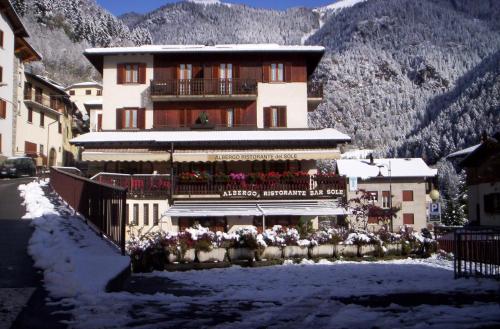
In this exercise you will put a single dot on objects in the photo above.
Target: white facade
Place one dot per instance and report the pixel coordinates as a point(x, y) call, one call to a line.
point(7, 60)
point(87, 97)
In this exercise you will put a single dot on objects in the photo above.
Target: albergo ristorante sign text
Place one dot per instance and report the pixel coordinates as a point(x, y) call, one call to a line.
point(281, 193)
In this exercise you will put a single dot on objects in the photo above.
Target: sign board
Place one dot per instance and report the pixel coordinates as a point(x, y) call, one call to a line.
point(435, 211)
point(281, 193)
point(353, 184)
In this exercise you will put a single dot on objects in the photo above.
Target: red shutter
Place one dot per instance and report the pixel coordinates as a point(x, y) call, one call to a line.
point(0, 143)
point(282, 116)
point(265, 72)
point(3, 109)
point(119, 119)
point(99, 122)
point(141, 118)
point(142, 73)
point(1, 39)
point(408, 219)
point(30, 148)
point(288, 72)
point(408, 195)
point(120, 74)
point(223, 117)
point(267, 117)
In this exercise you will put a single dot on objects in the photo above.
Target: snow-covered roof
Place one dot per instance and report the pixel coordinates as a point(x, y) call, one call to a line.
point(47, 81)
point(93, 102)
point(356, 154)
point(265, 47)
point(85, 84)
point(463, 152)
point(414, 167)
point(327, 134)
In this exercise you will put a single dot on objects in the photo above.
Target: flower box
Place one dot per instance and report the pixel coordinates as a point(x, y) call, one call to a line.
point(236, 254)
point(324, 250)
point(347, 250)
point(367, 250)
point(189, 256)
point(393, 249)
point(295, 252)
point(271, 252)
point(172, 258)
point(214, 255)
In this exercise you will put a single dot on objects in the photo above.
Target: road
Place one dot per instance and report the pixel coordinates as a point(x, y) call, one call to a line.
point(22, 296)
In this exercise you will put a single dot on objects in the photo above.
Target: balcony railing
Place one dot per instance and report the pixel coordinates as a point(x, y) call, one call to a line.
point(52, 103)
point(204, 87)
point(315, 89)
point(260, 186)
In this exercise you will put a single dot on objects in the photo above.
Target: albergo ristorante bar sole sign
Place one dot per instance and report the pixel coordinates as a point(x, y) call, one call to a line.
point(281, 193)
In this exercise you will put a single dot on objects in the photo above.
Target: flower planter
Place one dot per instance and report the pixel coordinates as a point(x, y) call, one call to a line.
point(236, 254)
point(214, 255)
point(189, 256)
point(295, 252)
point(325, 250)
point(271, 252)
point(367, 250)
point(347, 250)
point(393, 249)
point(172, 257)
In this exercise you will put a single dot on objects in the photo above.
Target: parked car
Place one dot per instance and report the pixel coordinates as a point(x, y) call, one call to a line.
point(17, 167)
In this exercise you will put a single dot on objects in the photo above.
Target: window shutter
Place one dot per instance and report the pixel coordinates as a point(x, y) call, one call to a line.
point(119, 119)
point(288, 72)
point(267, 117)
point(141, 118)
point(265, 72)
point(120, 74)
point(408, 219)
point(142, 73)
point(99, 122)
point(282, 116)
point(0, 143)
point(223, 117)
point(3, 109)
point(408, 195)
point(1, 38)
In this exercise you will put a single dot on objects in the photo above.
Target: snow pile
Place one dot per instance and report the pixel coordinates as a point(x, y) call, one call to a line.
point(74, 259)
point(339, 5)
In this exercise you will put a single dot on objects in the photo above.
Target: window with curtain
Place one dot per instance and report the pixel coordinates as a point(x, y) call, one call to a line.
point(277, 73)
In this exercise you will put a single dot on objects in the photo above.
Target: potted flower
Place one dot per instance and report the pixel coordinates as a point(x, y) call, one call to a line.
point(391, 241)
point(187, 253)
point(273, 177)
point(295, 247)
point(245, 245)
point(170, 245)
point(323, 243)
point(271, 243)
point(221, 178)
point(205, 245)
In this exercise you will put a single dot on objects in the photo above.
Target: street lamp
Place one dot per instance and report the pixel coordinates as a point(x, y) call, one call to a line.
point(390, 187)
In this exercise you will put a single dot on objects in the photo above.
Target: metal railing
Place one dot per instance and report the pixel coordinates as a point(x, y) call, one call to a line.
point(204, 87)
point(477, 252)
point(102, 205)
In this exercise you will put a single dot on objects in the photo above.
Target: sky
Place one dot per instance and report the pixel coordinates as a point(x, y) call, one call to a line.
point(119, 7)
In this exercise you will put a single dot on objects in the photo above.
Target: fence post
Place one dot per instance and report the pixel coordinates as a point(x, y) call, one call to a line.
point(123, 197)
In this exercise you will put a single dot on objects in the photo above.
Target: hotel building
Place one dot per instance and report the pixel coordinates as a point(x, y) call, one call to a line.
point(213, 134)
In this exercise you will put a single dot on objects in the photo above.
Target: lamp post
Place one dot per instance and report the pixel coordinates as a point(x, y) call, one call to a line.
point(390, 187)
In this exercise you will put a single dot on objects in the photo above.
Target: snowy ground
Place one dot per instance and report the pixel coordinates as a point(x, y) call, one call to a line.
point(404, 293)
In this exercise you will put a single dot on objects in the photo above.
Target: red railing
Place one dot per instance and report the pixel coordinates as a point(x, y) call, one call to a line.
point(102, 205)
point(138, 186)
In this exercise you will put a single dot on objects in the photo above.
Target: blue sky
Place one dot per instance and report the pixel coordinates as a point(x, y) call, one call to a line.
point(118, 7)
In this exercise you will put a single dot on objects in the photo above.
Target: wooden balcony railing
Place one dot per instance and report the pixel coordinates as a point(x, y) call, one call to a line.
point(159, 186)
point(53, 103)
point(315, 89)
point(204, 87)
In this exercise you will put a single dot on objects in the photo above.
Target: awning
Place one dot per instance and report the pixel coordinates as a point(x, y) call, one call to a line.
point(125, 155)
point(260, 208)
point(256, 155)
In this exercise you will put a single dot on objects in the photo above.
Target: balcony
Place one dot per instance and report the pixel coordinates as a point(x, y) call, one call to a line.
point(204, 89)
point(44, 102)
point(287, 185)
point(314, 94)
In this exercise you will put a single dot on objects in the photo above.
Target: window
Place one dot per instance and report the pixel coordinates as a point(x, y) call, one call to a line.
point(42, 119)
point(29, 148)
point(127, 214)
point(88, 92)
point(185, 76)
point(131, 73)
point(59, 127)
point(225, 76)
point(72, 93)
point(3, 109)
point(1, 74)
point(385, 199)
point(130, 119)
point(372, 220)
point(408, 219)
point(275, 117)
point(99, 92)
point(146, 214)
point(28, 90)
point(230, 118)
point(277, 74)
point(492, 203)
point(373, 196)
point(41, 149)
point(408, 195)
point(135, 215)
point(1, 38)
point(155, 214)
point(30, 115)
point(0, 143)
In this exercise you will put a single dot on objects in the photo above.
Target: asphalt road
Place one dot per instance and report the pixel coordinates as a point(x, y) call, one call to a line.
point(22, 296)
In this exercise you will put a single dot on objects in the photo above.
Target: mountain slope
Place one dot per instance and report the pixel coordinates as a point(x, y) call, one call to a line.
point(387, 59)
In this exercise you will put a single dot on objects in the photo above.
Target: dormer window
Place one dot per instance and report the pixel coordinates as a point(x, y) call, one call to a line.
point(277, 73)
